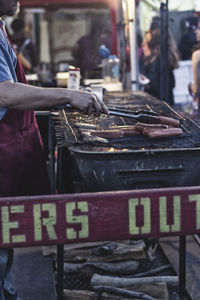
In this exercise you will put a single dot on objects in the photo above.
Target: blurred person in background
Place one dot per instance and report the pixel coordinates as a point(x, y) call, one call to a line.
point(155, 24)
point(25, 48)
point(194, 88)
point(86, 50)
point(188, 39)
point(150, 63)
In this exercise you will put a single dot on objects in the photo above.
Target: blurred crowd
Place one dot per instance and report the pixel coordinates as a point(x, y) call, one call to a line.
point(149, 61)
point(87, 58)
point(187, 49)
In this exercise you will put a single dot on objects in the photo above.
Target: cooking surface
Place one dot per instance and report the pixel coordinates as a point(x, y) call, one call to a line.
point(139, 162)
point(73, 128)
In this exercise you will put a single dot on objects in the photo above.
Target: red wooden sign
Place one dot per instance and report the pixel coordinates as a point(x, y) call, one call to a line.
point(44, 220)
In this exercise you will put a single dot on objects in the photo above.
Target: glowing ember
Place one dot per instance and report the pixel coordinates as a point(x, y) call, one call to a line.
point(115, 150)
point(111, 149)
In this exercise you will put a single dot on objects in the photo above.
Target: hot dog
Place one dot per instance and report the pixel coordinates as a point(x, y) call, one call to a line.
point(141, 126)
point(108, 134)
point(169, 121)
point(130, 131)
point(162, 133)
point(127, 129)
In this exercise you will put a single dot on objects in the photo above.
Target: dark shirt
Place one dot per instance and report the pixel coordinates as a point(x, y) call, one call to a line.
point(87, 55)
point(186, 45)
point(152, 72)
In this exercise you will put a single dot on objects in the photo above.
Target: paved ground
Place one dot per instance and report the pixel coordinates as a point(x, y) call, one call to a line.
point(33, 275)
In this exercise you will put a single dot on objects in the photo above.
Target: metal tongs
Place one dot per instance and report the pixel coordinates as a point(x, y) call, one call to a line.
point(145, 116)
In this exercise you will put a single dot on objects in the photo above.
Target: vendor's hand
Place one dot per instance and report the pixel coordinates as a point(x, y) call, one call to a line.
point(88, 103)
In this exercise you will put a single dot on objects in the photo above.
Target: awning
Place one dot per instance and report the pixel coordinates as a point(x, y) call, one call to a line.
point(41, 3)
point(111, 3)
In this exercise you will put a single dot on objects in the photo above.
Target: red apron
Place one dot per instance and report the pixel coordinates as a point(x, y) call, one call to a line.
point(22, 162)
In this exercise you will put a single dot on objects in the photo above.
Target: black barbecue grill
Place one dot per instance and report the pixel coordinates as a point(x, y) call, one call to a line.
point(134, 162)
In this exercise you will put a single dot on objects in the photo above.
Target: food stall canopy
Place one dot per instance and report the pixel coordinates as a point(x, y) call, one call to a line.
point(110, 3)
point(33, 3)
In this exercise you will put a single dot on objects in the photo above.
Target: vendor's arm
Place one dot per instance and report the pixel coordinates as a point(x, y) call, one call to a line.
point(24, 97)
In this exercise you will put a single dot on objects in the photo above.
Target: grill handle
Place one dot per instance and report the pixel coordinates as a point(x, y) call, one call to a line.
point(168, 170)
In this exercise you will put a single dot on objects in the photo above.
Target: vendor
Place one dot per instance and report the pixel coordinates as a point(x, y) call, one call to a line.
point(22, 165)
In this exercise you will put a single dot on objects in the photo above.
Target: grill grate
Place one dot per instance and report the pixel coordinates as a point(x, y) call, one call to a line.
point(73, 128)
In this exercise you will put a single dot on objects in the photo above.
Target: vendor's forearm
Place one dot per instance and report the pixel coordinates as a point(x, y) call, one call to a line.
point(21, 96)
point(25, 97)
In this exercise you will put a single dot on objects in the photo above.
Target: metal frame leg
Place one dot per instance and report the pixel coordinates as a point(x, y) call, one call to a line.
point(60, 248)
point(182, 266)
point(52, 155)
point(60, 273)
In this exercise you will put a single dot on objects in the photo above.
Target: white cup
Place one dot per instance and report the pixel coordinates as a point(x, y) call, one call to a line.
point(98, 91)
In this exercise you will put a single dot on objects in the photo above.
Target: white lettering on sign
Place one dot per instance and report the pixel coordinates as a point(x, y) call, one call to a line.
point(7, 225)
point(196, 198)
point(176, 226)
point(133, 228)
point(71, 233)
point(48, 222)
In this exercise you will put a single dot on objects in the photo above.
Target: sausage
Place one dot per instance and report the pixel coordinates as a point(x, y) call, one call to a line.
point(169, 121)
point(108, 134)
point(162, 133)
point(141, 126)
point(130, 131)
point(127, 129)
